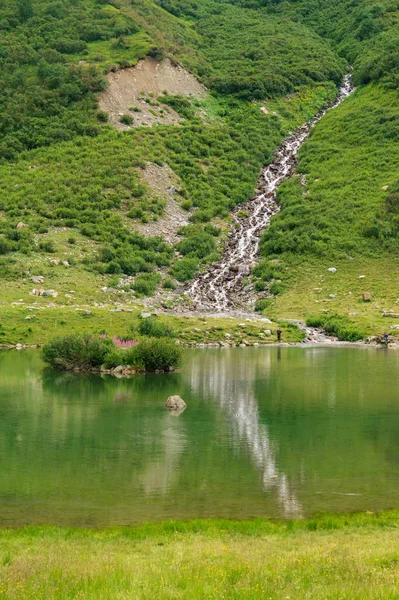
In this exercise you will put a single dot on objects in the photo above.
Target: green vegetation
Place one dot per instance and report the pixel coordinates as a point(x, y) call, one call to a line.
point(76, 351)
point(336, 325)
point(87, 352)
point(63, 167)
point(340, 211)
point(153, 327)
point(335, 556)
point(46, 98)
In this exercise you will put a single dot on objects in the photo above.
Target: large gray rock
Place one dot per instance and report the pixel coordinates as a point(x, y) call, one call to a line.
point(175, 403)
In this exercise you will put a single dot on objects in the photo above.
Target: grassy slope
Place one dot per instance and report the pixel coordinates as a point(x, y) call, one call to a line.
point(83, 183)
point(350, 164)
point(351, 558)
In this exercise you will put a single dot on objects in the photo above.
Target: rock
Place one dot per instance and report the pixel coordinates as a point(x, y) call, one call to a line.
point(244, 270)
point(175, 403)
point(22, 225)
point(29, 317)
point(54, 261)
point(361, 276)
point(331, 296)
point(242, 345)
point(65, 263)
point(18, 346)
point(332, 270)
point(227, 335)
point(118, 369)
point(242, 325)
point(384, 187)
point(267, 332)
point(391, 315)
point(37, 278)
point(146, 315)
point(367, 297)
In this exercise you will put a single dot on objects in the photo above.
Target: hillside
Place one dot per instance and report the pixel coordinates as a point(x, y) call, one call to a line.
point(76, 147)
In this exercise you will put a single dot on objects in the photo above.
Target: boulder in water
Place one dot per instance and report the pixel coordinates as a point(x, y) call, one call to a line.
point(175, 403)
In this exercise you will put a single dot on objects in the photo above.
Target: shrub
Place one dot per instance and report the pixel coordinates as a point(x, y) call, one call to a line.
point(81, 351)
point(153, 328)
point(185, 269)
point(146, 284)
point(262, 304)
point(126, 119)
point(154, 354)
point(102, 116)
point(168, 284)
point(47, 246)
point(337, 325)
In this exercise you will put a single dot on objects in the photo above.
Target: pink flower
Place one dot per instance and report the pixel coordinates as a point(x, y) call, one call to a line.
point(124, 343)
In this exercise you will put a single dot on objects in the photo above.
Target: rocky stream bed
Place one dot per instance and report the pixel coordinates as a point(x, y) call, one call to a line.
point(222, 287)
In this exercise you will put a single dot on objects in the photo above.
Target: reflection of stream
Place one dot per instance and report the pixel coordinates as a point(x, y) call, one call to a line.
point(234, 390)
point(159, 476)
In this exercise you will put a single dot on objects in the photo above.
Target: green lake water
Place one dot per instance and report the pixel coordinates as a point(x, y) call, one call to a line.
point(273, 432)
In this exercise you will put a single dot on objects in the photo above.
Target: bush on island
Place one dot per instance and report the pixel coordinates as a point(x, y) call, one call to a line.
point(76, 351)
point(87, 352)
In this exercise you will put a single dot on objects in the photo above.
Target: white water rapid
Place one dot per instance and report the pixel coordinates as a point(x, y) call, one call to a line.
point(221, 287)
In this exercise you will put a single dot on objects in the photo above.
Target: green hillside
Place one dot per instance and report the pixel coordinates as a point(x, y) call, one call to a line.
point(72, 185)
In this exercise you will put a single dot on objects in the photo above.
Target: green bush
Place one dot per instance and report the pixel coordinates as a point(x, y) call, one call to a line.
point(76, 351)
point(337, 325)
point(102, 116)
point(146, 284)
point(262, 304)
point(185, 269)
point(126, 119)
point(154, 354)
point(151, 327)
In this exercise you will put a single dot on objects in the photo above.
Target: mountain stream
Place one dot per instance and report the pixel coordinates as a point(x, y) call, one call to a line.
point(221, 288)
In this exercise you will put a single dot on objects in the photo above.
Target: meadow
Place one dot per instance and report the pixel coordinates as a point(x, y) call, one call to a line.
point(350, 557)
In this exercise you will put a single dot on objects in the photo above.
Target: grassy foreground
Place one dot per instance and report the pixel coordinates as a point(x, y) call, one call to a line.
point(350, 557)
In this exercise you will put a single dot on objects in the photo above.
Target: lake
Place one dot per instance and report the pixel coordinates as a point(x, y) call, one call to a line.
point(270, 432)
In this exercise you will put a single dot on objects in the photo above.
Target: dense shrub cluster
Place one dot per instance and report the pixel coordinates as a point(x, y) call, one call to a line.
point(365, 32)
point(45, 99)
point(86, 352)
point(76, 351)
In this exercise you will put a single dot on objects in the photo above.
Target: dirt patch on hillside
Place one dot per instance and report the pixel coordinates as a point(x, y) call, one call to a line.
point(130, 88)
point(164, 183)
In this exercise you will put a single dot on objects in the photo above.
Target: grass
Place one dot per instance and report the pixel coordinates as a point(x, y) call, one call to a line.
point(106, 53)
point(334, 214)
point(50, 322)
point(346, 557)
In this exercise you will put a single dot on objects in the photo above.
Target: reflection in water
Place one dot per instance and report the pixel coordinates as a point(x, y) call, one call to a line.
point(267, 432)
point(160, 475)
point(234, 390)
